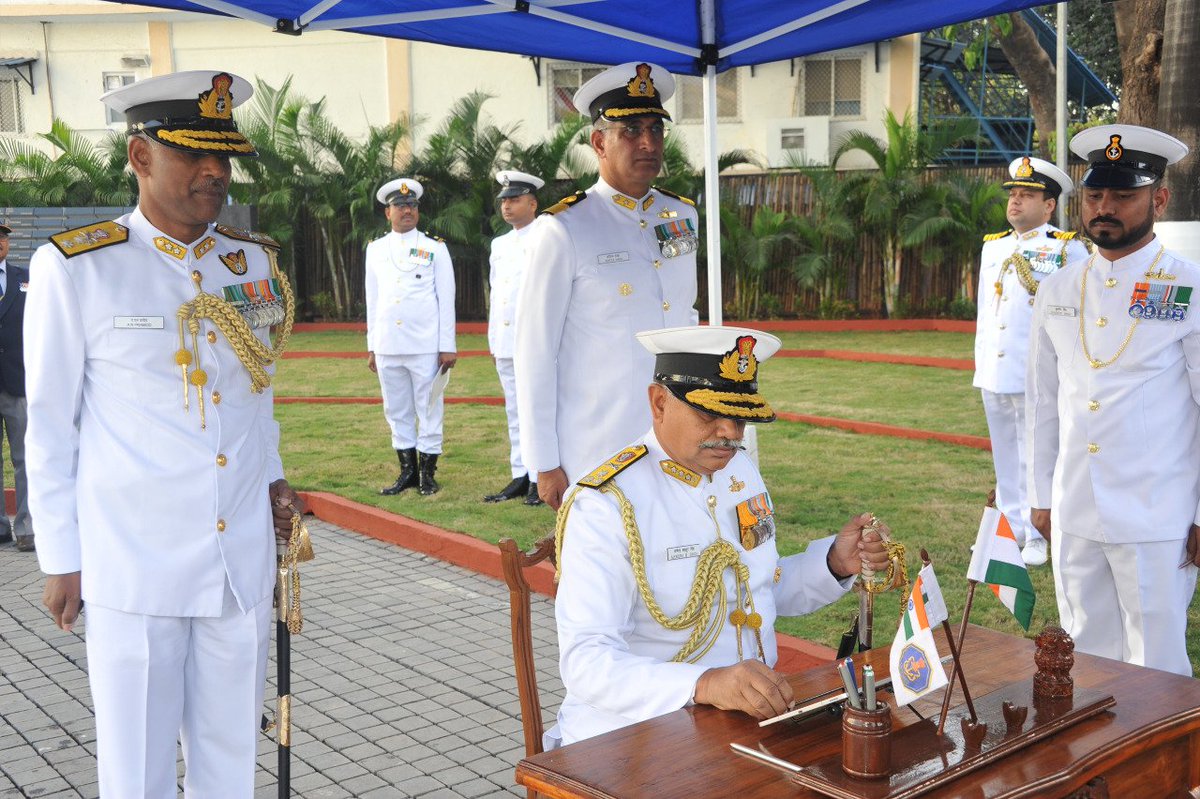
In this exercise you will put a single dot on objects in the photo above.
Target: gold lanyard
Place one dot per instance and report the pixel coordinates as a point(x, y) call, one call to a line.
point(1098, 364)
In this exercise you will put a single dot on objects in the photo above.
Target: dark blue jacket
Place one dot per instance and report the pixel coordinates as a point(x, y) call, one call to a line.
point(12, 318)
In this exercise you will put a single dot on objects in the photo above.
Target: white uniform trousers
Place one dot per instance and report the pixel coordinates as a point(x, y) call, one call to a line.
point(406, 381)
point(1125, 601)
point(1006, 428)
point(157, 680)
point(508, 382)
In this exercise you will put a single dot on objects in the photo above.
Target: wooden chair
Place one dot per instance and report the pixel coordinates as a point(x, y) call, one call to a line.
point(514, 563)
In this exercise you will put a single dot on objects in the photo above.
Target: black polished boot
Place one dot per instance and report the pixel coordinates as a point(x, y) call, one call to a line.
point(531, 497)
point(408, 473)
point(426, 466)
point(517, 488)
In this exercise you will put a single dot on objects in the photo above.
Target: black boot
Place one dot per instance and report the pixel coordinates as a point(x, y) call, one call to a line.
point(531, 497)
point(517, 488)
point(408, 473)
point(426, 466)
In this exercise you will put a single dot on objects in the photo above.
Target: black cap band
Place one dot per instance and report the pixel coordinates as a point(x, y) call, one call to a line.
point(173, 113)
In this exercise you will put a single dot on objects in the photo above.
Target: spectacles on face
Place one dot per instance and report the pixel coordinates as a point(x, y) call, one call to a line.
point(400, 206)
point(657, 130)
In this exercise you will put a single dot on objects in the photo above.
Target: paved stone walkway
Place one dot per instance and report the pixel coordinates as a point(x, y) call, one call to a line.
point(402, 681)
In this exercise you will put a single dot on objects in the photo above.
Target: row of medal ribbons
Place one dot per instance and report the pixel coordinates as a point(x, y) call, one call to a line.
point(260, 302)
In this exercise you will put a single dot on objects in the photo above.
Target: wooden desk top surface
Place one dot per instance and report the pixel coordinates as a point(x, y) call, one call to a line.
point(686, 753)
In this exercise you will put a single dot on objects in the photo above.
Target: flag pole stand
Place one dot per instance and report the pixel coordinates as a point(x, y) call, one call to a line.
point(954, 650)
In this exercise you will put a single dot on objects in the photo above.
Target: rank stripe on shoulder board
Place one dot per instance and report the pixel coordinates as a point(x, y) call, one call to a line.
point(89, 238)
point(566, 202)
point(679, 197)
point(248, 235)
point(996, 236)
point(613, 466)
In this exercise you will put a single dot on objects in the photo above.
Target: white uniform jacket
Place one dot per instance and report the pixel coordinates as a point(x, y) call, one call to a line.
point(1113, 450)
point(125, 485)
point(614, 657)
point(507, 262)
point(597, 273)
point(410, 295)
point(1006, 307)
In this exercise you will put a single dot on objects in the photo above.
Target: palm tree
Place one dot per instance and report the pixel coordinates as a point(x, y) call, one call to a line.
point(79, 173)
point(824, 233)
point(884, 198)
point(752, 251)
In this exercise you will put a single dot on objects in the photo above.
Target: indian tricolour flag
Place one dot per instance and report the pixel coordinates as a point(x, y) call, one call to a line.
point(915, 666)
point(997, 562)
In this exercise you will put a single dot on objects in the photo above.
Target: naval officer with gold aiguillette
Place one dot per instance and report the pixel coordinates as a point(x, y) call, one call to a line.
point(153, 454)
point(1113, 412)
point(603, 265)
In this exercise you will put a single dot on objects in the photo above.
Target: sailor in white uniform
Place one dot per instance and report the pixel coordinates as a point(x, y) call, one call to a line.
point(410, 333)
point(681, 518)
point(153, 457)
point(518, 206)
point(1112, 408)
point(603, 265)
point(1012, 265)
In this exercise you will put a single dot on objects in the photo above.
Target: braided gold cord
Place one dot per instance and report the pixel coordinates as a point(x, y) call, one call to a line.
point(291, 562)
point(1096, 362)
point(1024, 271)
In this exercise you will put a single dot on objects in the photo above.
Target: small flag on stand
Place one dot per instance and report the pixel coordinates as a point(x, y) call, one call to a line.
point(915, 665)
point(997, 561)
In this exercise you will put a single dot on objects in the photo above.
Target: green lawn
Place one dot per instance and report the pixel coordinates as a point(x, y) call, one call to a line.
point(929, 493)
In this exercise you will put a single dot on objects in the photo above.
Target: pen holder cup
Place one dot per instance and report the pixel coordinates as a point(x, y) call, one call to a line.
point(867, 741)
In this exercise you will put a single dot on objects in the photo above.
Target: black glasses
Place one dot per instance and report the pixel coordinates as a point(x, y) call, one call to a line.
point(657, 130)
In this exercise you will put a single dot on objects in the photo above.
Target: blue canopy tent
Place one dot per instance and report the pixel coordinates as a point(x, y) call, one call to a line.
point(697, 37)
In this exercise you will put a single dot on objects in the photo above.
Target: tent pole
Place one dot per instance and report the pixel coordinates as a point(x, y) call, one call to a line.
point(1062, 67)
point(712, 195)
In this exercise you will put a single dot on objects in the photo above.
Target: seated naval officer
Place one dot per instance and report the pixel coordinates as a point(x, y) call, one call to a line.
point(670, 578)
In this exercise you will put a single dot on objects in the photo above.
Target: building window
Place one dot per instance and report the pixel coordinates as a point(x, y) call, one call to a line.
point(565, 80)
point(690, 107)
point(11, 118)
point(115, 80)
point(832, 87)
point(791, 139)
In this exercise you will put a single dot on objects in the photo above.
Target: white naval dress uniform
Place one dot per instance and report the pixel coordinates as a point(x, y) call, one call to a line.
point(410, 319)
point(613, 656)
point(1114, 455)
point(169, 523)
point(596, 275)
point(507, 266)
point(1001, 353)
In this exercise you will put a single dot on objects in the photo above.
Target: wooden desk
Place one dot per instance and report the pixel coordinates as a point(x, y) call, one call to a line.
point(1146, 747)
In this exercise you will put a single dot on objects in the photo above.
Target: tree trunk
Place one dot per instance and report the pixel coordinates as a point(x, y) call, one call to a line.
point(891, 277)
point(1140, 36)
point(339, 302)
point(1178, 109)
point(1035, 70)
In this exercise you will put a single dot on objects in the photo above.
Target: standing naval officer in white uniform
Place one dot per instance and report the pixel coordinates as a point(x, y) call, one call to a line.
point(153, 457)
point(682, 516)
point(410, 332)
point(518, 206)
point(603, 265)
point(1012, 265)
point(1112, 406)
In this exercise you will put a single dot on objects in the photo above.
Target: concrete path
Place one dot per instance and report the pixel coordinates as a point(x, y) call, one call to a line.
point(402, 681)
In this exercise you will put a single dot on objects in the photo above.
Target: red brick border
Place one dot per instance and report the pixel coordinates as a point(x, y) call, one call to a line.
point(795, 654)
point(787, 325)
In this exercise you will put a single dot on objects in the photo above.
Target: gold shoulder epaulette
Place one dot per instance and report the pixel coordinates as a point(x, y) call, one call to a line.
point(566, 202)
point(248, 235)
point(995, 236)
point(431, 236)
point(613, 466)
point(89, 237)
point(679, 197)
point(1064, 235)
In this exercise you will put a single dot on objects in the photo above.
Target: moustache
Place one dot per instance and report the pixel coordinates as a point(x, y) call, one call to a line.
point(209, 186)
point(723, 443)
point(1104, 220)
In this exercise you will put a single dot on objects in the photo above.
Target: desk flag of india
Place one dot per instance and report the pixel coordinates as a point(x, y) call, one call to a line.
point(996, 561)
point(916, 667)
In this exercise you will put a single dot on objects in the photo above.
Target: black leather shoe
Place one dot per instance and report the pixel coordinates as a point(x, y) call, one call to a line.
point(531, 497)
point(426, 466)
point(408, 473)
point(25, 543)
point(6, 537)
point(517, 488)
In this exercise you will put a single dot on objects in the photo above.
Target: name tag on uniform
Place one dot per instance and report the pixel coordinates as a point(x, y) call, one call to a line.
point(684, 552)
point(1062, 310)
point(138, 322)
point(612, 258)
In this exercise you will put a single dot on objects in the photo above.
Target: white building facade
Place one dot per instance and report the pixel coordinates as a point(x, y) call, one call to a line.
point(56, 58)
